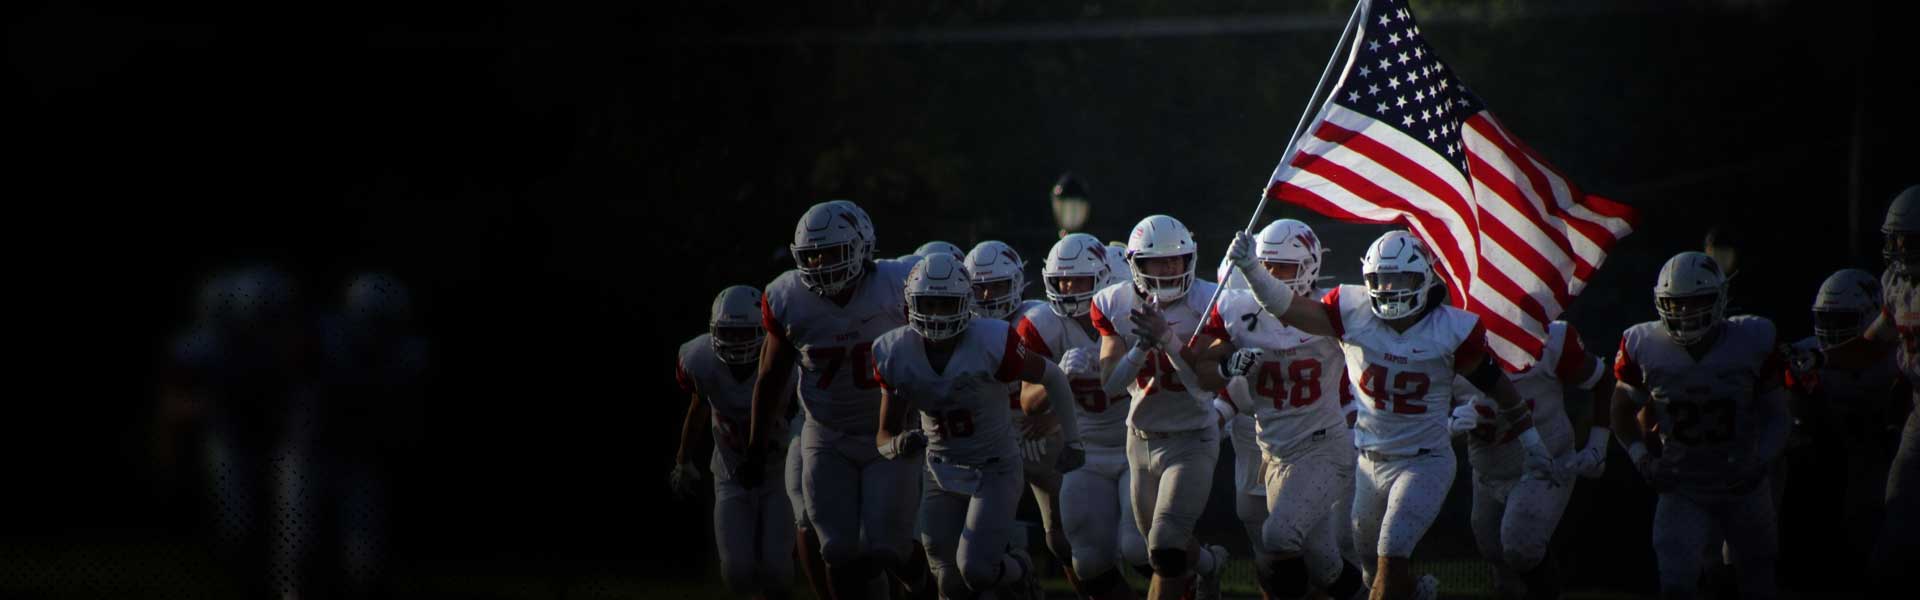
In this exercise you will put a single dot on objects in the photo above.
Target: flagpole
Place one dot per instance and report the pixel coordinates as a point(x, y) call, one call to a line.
point(1293, 141)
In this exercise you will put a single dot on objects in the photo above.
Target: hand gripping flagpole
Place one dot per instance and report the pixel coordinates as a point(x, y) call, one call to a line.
point(1293, 143)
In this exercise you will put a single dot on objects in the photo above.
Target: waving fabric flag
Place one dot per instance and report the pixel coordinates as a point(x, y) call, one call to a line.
point(1402, 140)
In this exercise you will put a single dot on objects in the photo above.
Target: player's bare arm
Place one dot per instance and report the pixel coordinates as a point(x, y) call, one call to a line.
point(1057, 401)
point(769, 400)
point(691, 432)
point(1207, 359)
point(1473, 362)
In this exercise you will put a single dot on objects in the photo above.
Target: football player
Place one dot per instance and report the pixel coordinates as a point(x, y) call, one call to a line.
point(1849, 410)
point(824, 315)
point(952, 368)
point(375, 371)
point(1098, 513)
point(750, 525)
point(1715, 386)
point(1514, 516)
point(1289, 382)
point(1173, 426)
point(1406, 345)
point(1897, 326)
point(999, 278)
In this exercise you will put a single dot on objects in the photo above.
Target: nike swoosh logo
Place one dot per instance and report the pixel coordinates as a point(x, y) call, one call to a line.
point(1418, 351)
point(865, 320)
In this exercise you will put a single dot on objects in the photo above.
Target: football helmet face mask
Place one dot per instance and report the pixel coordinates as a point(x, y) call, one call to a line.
point(939, 297)
point(1075, 269)
point(1902, 230)
point(735, 325)
point(1847, 302)
point(1161, 254)
point(828, 248)
point(999, 277)
point(1399, 273)
point(1690, 296)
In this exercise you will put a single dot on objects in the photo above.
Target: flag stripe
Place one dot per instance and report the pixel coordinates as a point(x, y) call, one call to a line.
point(1528, 206)
point(1364, 189)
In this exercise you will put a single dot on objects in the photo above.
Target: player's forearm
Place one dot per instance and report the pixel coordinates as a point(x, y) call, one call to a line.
point(1622, 411)
point(1857, 353)
point(1774, 425)
point(1059, 399)
point(689, 430)
point(1124, 370)
point(769, 397)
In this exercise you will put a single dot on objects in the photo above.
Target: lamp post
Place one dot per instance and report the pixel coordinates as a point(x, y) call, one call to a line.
point(1070, 207)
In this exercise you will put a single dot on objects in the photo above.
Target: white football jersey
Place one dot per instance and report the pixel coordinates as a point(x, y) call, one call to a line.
point(1160, 401)
point(834, 342)
point(1900, 301)
point(963, 405)
point(1543, 387)
point(1404, 380)
point(1297, 385)
point(729, 399)
point(1699, 404)
point(1102, 419)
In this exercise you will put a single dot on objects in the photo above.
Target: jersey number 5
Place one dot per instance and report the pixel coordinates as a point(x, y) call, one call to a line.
point(953, 423)
point(1410, 386)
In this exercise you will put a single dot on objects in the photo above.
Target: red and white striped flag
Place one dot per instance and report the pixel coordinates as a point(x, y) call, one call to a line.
point(1402, 140)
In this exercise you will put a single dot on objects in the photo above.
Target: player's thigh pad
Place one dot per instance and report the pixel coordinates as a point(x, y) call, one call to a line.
point(1414, 499)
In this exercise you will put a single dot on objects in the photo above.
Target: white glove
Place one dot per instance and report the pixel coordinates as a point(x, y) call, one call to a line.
point(1241, 362)
point(905, 443)
point(1589, 462)
point(1241, 251)
point(1464, 419)
point(684, 481)
point(1539, 462)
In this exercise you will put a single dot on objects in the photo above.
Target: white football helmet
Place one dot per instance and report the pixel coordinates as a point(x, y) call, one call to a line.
point(1117, 264)
point(1078, 260)
point(1691, 296)
point(1160, 238)
point(939, 297)
point(1847, 302)
point(1902, 248)
point(735, 325)
point(929, 248)
point(828, 248)
point(999, 276)
point(1288, 241)
point(866, 223)
point(1399, 274)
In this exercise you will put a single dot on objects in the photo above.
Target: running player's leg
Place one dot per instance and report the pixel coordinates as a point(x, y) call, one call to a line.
point(986, 560)
point(1093, 507)
point(1526, 531)
point(1186, 481)
point(1489, 510)
point(1752, 542)
point(1681, 528)
point(1413, 502)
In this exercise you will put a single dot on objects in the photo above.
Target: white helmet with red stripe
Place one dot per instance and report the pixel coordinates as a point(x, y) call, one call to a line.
point(1162, 254)
point(1075, 269)
point(999, 276)
point(939, 297)
point(735, 325)
point(929, 248)
point(1690, 296)
point(1848, 300)
point(865, 223)
point(829, 247)
point(1398, 272)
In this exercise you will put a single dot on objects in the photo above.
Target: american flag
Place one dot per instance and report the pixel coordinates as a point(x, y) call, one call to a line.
point(1402, 140)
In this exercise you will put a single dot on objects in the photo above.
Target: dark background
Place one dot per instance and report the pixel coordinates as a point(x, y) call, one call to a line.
point(567, 188)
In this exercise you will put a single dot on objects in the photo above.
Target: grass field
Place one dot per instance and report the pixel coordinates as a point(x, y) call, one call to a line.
point(177, 570)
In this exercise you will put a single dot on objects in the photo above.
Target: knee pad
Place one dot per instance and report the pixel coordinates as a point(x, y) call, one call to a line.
point(1170, 563)
point(1285, 578)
